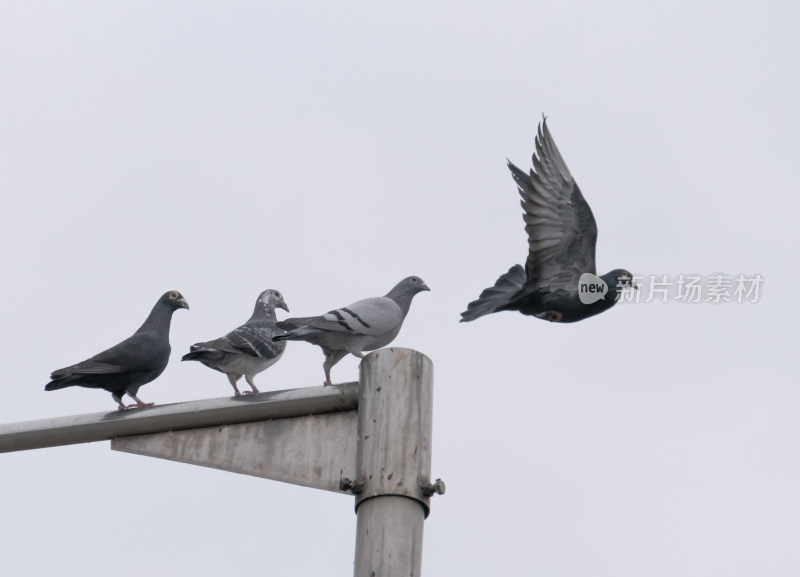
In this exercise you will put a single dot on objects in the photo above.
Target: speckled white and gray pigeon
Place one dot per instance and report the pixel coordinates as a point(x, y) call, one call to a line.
point(132, 363)
point(562, 234)
point(248, 349)
point(365, 325)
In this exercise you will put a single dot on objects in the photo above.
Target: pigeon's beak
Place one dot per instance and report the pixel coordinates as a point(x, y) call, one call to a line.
point(284, 306)
point(425, 287)
point(184, 303)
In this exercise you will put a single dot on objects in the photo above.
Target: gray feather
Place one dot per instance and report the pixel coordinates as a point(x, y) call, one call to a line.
point(562, 235)
point(248, 349)
point(134, 362)
point(365, 325)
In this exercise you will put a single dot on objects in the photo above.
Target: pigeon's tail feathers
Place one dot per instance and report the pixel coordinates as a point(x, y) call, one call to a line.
point(59, 383)
point(295, 332)
point(494, 298)
point(203, 353)
point(193, 355)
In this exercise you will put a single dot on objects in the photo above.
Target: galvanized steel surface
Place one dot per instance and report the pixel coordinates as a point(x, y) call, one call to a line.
point(389, 535)
point(247, 408)
point(395, 421)
point(393, 462)
point(313, 451)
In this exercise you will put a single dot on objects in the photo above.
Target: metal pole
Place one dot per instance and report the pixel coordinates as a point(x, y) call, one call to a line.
point(393, 462)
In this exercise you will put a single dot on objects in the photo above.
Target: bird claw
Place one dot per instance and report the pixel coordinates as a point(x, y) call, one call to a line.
point(248, 392)
point(138, 406)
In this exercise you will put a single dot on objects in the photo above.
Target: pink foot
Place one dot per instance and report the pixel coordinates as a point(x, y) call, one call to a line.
point(140, 405)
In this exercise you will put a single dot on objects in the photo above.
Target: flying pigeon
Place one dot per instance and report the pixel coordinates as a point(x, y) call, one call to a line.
point(365, 325)
point(246, 350)
point(132, 363)
point(558, 283)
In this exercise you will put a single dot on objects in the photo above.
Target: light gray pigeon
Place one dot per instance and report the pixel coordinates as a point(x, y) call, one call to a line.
point(365, 325)
point(246, 350)
point(132, 363)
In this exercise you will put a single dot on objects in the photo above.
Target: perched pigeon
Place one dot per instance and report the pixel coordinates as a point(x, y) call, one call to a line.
point(247, 350)
point(132, 363)
point(554, 285)
point(365, 325)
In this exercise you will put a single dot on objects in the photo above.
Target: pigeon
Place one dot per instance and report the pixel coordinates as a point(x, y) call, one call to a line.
point(246, 350)
point(134, 362)
point(558, 283)
point(365, 325)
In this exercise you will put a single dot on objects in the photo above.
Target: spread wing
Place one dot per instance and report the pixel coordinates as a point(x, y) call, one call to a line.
point(562, 232)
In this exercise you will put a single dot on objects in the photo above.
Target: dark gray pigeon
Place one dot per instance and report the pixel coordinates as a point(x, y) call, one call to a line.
point(558, 282)
point(365, 325)
point(246, 350)
point(132, 363)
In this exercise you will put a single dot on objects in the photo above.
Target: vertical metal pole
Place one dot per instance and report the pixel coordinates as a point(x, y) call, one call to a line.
point(393, 462)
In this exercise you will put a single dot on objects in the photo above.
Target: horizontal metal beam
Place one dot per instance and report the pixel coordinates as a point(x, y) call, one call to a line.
point(174, 417)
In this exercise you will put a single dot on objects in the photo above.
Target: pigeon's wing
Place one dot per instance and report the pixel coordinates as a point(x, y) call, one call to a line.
point(255, 341)
point(562, 232)
point(136, 353)
point(373, 316)
point(88, 367)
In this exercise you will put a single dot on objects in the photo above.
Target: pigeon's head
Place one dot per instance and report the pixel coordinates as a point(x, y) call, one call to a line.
point(271, 299)
point(175, 300)
point(409, 286)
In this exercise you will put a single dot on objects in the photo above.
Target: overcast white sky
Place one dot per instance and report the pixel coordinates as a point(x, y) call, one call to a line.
point(329, 149)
